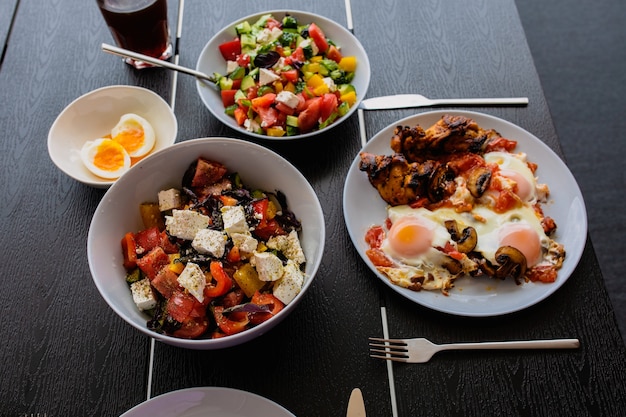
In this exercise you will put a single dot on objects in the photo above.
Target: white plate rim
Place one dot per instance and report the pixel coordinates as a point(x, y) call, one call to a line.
point(175, 402)
point(206, 59)
point(565, 205)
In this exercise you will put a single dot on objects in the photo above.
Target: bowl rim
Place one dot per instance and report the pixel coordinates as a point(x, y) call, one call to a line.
point(52, 137)
point(311, 17)
point(231, 340)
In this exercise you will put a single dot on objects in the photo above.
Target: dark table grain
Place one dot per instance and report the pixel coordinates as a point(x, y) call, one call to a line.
point(65, 351)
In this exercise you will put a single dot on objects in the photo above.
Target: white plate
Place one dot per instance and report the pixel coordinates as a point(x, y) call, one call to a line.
point(208, 401)
point(211, 60)
point(477, 296)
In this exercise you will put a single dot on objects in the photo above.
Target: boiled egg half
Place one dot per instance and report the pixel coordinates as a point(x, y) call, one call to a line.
point(105, 158)
point(135, 134)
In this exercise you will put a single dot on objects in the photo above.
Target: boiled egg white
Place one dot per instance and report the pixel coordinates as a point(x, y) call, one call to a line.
point(135, 134)
point(514, 168)
point(105, 158)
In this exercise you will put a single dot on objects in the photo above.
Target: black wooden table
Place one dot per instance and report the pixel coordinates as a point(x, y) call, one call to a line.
point(66, 353)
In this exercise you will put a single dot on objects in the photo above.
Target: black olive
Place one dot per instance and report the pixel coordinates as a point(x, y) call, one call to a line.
point(266, 59)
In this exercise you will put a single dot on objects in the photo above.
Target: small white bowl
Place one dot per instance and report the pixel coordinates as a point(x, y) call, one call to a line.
point(94, 114)
point(118, 213)
point(211, 61)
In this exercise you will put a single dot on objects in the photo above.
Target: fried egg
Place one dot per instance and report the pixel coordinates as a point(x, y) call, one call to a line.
point(514, 168)
point(135, 134)
point(105, 158)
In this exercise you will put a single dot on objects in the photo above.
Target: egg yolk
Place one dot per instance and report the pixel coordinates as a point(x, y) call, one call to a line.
point(524, 188)
point(109, 156)
point(131, 136)
point(523, 238)
point(410, 236)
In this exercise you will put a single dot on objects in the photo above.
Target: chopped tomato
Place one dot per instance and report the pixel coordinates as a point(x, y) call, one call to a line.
point(266, 227)
point(153, 262)
point(228, 97)
point(290, 75)
point(265, 100)
point(166, 282)
point(265, 299)
point(233, 255)
point(318, 37)
point(375, 236)
point(129, 250)
point(283, 108)
point(328, 105)
point(378, 257)
point(192, 328)
point(223, 283)
point(546, 273)
point(182, 306)
point(167, 245)
point(500, 144)
point(334, 53)
point(272, 23)
point(147, 239)
point(240, 115)
point(268, 115)
point(233, 298)
point(230, 50)
point(298, 55)
point(506, 201)
point(309, 117)
point(227, 325)
point(243, 60)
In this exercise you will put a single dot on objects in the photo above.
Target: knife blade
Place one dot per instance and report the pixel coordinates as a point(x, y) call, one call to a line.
point(356, 406)
point(402, 101)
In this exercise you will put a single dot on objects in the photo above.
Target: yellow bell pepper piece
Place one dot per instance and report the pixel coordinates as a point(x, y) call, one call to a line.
point(275, 131)
point(349, 98)
point(174, 266)
point(348, 63)
point(315, 81)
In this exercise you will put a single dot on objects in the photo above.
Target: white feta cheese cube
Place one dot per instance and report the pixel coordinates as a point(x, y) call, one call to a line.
point(289, 245)
point(143, 295)
point(308, 42)
point(234, 218)
point(251, 125)
point(268, 266)
point(330, 83)
point(245, 243)
point(267, 76)
point(288, 98)
point(231, 66)
point(193, 280)
point(169, 199)
point(210, 242)
point(289, 284)
point(184, 224)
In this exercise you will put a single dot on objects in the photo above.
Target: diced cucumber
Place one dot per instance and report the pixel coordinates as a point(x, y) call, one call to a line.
point(343, 109)
point(292, 121)
point(240, 95)
point(230, 110)
point(248, 41)
point(345, 88)
point(291, 131)
point(262, 21)
point(238, 73)
point(247, 82)
point(226, 83)
point(243, 27)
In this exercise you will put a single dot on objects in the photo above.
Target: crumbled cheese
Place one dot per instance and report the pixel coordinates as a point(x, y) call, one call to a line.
point(231, 66)
point(267, 76)
point(308, 42)
point(268, 266)
point(251, 125)
point(143, 295)
point(184, 224)
point(169, 199)
point(330, 83)
point(193, 280)
point(288, 98)
point(209, 241)
point(245, 242)
point(234, 218)
point(268, 35)
point(289, 284)
point(289, 245)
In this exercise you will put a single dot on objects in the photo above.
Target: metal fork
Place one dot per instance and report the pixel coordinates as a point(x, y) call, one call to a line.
point(420, 350)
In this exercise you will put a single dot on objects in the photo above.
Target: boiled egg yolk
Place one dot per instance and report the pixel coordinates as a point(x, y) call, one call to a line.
point(524, 188)
point(410, 236)
point(523, 238)
point(135, 134)
point(105, 158)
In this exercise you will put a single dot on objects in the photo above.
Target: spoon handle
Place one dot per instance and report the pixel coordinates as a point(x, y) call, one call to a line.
point(154, 61)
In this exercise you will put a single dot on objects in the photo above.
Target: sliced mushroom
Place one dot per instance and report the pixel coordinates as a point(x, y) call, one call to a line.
point(439, 182)
point(478, 180)
point(466, 240)
point(453, 266)
point(512, 263)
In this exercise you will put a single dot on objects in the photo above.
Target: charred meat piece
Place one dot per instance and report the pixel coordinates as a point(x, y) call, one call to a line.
point(397, 181)
point(451, 134)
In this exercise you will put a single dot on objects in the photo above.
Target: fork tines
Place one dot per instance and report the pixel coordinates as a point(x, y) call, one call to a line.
point(389, 349)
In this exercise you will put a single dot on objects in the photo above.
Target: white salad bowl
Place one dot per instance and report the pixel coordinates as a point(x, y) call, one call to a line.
point(94, 114)
point(118, 213)
point(211, 61)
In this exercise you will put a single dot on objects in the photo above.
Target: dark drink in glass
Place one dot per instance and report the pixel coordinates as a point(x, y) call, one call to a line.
point(140, 26)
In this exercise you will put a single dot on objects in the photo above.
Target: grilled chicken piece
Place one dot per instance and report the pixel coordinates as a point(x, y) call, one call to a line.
point(397, 181)
point(451, 134)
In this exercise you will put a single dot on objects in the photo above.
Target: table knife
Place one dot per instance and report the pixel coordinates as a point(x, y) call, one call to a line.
point(401, 101)
point(356, 406)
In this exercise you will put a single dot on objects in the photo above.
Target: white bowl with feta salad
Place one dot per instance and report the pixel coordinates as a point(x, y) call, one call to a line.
point(223, 226)
point(283, 75)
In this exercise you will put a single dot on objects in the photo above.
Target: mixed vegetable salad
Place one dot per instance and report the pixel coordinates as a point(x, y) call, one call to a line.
point(214, 258)
point(285, 78)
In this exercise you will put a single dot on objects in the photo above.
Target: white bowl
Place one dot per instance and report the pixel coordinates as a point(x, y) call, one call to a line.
point(118, 213)
point(94, 114)
point(211, 61)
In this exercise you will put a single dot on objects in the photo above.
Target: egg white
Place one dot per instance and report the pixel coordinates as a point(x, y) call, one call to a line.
point(516, 163)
